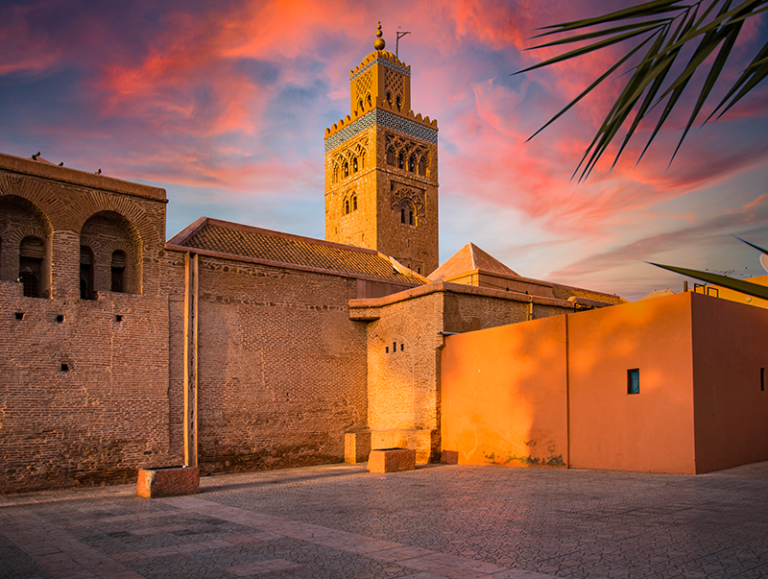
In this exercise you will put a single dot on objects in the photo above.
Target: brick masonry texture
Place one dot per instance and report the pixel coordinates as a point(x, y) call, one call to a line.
point(82, 401)
point(282, 367)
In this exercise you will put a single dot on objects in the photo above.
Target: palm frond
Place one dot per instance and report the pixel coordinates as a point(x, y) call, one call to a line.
point(739, 285)
point(713, 25)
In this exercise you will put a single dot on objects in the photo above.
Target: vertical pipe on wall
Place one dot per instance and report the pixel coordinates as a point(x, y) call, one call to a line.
point(191, 292)
point(529, 309)
point(567, 394)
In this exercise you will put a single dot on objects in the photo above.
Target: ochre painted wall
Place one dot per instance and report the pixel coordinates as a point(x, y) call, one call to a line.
point(731, 410)
point(651, 431)
point(516, 394)
point(503, 394)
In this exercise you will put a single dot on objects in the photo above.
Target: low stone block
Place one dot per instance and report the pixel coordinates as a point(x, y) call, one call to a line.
point(392, 460)
point(169, 481)
point(449, 457)
point(357, 446)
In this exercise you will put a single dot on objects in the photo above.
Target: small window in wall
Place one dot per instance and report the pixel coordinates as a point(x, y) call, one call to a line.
point(354, 203)
point(31, 252)
point(410, 218)
point(762, 379)
point(118, 271)
point(86, 273)
point(633, 381)
point(402, 216)
point(346, 207)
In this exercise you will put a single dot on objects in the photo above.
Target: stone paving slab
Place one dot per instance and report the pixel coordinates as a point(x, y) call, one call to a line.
point(436, 522)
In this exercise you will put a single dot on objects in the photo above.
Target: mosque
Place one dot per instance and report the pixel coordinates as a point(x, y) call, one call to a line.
point(233, 347)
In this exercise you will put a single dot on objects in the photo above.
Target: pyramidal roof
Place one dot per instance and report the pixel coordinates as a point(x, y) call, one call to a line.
point(470, 258)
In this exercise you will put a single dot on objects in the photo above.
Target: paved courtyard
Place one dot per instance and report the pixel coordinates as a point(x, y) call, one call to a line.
point(455, 522)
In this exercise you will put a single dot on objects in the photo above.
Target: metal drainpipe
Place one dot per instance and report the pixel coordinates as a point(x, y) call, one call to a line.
point(529, 312)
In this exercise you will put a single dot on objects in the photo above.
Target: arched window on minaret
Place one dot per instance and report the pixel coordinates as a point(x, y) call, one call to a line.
point(399, 102)
point(412, 163)
point(346, 169)
point(360, 105)
point(402, 215)
point(354, 203)
point(423, 164)
point(401, 160)
point(368, 98)
point(346, 207)
point(410, 217)
point(354, 164)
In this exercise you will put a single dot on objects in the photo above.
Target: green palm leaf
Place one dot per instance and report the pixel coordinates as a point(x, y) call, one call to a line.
point(739, 285)
point(715, 30)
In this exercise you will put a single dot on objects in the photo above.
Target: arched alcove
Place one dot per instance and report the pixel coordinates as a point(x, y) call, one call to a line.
point(117, 253)
point(26, 234)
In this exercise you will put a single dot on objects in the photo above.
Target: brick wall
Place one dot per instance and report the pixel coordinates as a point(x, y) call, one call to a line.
point(404, 347)
point(83, 383)
point(282, 370)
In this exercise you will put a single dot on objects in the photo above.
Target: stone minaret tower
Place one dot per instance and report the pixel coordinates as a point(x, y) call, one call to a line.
point(381, 167)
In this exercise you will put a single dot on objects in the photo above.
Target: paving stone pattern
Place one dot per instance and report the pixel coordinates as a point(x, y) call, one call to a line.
point(437, 522)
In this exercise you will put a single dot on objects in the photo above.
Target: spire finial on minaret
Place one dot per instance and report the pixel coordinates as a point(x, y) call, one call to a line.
point(379, 43)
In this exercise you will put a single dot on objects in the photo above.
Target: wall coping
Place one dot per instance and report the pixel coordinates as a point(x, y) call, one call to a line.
point(53, 172)
point(456, 288)
point(282, 265)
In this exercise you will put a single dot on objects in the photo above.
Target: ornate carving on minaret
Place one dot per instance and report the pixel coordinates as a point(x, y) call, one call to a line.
point(381, 166)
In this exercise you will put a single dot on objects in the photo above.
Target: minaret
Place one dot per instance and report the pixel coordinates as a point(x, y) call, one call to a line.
point(381, 167)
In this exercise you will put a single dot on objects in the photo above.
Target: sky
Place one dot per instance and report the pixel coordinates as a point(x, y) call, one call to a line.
point(224, 105)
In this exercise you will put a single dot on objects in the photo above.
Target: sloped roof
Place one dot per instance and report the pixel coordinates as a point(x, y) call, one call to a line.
point(283, 248)
point(470, 258)
point(659, 294)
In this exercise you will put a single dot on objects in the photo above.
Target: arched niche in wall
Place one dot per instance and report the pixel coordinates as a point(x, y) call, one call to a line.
point(116, 249)
point(26, 246)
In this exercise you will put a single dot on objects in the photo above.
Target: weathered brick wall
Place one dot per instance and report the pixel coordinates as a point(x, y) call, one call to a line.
point(83, 393)
point(282, 369)
point(402, 368)
point(404, 346)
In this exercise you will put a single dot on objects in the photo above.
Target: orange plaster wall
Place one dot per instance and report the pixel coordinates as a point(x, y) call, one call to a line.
point(651, 431)
point(731, 412)
point(503, 394)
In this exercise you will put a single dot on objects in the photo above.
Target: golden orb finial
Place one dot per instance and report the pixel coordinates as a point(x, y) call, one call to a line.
point(379, 43)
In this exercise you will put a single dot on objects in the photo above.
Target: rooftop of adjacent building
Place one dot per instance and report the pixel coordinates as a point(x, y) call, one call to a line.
point(234, 241)
point(473, 266)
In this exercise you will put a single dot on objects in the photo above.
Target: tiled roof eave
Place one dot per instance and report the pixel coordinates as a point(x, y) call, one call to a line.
point(294, 266)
